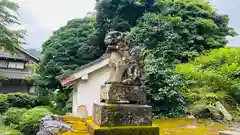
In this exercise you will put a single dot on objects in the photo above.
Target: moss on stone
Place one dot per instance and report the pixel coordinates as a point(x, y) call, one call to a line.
point(122, 130)
point(133, 130)
point(111, 107)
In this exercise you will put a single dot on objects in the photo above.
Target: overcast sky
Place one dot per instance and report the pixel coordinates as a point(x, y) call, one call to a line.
point(41, 17)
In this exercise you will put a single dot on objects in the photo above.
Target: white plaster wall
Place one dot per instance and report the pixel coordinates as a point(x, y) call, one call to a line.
point(88, 92)
point(74, 104)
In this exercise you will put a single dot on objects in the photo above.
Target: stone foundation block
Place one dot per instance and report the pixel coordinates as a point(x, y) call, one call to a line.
point(119, 93)
point(122, 114)
point(94, 129)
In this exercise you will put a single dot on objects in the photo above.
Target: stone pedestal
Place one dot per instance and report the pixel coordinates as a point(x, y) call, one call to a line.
point(94, 129)
point(122, 110)
point(122, 115)
point(120, 93)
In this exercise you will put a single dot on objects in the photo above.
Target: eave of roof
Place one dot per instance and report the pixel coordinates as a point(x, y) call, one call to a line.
point(10, 56)
point(28, 53)
point(68, 74)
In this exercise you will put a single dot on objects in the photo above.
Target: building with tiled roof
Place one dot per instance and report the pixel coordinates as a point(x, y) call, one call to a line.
point(14, 70)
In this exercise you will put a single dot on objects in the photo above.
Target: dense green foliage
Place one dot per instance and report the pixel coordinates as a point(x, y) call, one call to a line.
point(10, 38)
point(3, 106)
point(214, 77)
point(30, 121)
point(20, 100)
point(63, 104)
point(163, 86)
point(26, 121)
point(176, 32)
point(8, 131)
point(118, 15)
point(3, 103)
point(13, 115)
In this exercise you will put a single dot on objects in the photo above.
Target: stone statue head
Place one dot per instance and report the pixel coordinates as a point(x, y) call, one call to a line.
point(114, 37)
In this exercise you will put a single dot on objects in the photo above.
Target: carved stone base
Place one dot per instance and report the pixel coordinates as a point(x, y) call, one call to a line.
point(120, 93)
point(122, 114)
point(94, 129)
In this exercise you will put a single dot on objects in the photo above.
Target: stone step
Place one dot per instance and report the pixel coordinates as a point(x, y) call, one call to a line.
point(78, 124)
point(122, 115)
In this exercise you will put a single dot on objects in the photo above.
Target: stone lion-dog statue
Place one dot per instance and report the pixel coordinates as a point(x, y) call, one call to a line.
point(124, 59)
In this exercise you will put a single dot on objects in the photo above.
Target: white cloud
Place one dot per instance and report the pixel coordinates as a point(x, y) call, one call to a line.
point(231, 8)
point(41, 17)
point(55, 13)
point(48, 15)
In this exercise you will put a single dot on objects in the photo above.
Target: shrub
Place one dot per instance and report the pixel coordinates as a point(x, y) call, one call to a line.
point(44, 100)
point(8, 131)
point(13, 115)
point(63, 103)
point(60, 97)
point(3, 103)
point(3, 97)
point(22, 100)
point(215, 77)
point(30, 120)
point(1, 120)
point(3, 106)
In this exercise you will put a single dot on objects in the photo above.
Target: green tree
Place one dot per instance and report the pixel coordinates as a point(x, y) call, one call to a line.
point(120, 15)
point(68, 48)
point(176, 31)
point(10, 38)
point(214, 77)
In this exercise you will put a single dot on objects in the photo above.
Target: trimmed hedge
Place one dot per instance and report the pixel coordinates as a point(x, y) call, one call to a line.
point(3, 103)
point(19, 100)
point(3, 106)
point(22, 100)
point(13, 116)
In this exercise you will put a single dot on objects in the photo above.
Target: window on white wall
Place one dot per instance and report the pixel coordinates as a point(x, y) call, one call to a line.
point(16, 65)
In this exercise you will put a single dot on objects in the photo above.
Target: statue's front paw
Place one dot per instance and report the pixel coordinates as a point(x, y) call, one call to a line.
point(127, 81)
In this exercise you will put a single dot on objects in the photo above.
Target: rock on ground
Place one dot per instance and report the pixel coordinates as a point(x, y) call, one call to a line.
point(229, 133)
point(52, 125)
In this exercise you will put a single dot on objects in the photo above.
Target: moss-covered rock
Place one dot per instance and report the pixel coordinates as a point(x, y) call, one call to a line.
point(204, 111)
